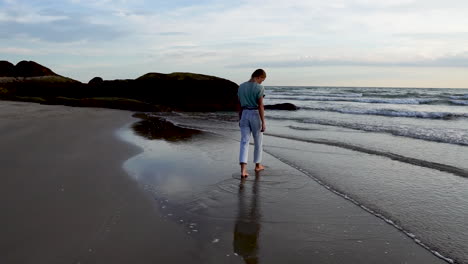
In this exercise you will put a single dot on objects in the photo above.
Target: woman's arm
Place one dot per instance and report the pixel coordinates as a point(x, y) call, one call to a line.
point(261, 110)
point(239, 109)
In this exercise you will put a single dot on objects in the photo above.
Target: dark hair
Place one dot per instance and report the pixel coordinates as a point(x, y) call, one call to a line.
point(259, 73)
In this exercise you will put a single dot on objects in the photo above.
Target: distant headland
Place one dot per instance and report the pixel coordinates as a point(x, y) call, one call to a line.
point(32, 82)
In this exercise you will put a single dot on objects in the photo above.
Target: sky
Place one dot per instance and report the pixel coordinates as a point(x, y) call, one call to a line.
point(388, 43)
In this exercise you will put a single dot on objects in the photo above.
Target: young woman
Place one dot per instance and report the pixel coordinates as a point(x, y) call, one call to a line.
point(252, 119)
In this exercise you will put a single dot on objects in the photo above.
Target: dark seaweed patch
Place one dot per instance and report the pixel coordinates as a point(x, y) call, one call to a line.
point(152, 127)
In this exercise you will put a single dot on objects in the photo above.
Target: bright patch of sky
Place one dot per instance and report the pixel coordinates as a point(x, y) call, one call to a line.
point(410, 43)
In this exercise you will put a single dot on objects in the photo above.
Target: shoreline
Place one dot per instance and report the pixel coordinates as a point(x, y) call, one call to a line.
point(397, 191)
point(203, 203)
point(370, 211)
point(77, 193)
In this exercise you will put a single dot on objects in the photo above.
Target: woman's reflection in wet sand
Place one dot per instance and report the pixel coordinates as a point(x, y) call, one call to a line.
point(247, 227)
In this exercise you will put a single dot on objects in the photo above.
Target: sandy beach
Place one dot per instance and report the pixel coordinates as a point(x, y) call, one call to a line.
point(65, 197)
point(80, 186)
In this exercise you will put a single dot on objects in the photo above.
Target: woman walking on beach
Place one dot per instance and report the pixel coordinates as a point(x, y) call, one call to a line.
point(252, 119)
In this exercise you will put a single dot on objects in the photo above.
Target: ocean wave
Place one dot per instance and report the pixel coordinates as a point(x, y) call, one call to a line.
point(368, 208)
point(459, 102)
point(414, 161)
point(397, 94)
point(450, 136)
point(299, 94)
point(390, 112)
point(411, 101)
point(459, 97)
point(340, 95)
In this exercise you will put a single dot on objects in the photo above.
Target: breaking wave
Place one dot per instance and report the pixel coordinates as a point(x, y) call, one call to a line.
point(450, 136)
point(390, 112)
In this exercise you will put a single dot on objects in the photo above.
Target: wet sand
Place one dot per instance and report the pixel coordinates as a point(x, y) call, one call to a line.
point(67, 199)
point(280, 215)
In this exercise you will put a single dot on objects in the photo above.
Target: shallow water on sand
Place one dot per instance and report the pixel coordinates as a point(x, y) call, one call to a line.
point(281, 216)
point(420, 186)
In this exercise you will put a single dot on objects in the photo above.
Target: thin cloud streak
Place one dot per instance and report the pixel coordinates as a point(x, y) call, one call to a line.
point(449, 61)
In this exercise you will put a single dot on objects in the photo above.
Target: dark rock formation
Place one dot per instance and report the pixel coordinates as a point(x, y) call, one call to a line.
point(153, 127)
point(31, 69)
point(24, 69)
point(187, 91)
point(6, 69)
point(96, 81)
point(175, 91)
point(284, 106)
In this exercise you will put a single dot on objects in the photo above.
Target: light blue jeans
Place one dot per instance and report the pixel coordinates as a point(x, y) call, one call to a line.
point(250, 123)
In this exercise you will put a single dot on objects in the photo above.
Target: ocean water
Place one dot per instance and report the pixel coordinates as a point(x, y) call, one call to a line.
point(415, 174)
point(399, 153)
point(438, 115)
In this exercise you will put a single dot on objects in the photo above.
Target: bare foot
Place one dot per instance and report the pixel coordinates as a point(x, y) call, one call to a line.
point(259, 167)
point(244, 173)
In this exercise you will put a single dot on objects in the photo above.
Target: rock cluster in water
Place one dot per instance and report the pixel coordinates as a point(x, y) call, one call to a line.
point(283, 106)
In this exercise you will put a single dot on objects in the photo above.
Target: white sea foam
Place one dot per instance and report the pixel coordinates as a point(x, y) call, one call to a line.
point(389, 112)
point(459, 102)
point(445, 135)
point(410, 101)
point(458, 97)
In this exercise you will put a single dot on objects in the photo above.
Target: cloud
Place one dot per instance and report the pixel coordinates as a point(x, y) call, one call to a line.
point(333, 33)
point(17, 51)
point(24, 20)
point(460, 35)
point(16, 12)
point(459, 60)
point(448, 61)
point(68, 30)
point(217, 34)
point(29, 18)
point(173, 33)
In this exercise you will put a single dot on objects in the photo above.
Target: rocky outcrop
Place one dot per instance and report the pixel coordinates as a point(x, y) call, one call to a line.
point(6, 69)
point(32, 69)
point(24, 69)
point(284, 106)
point(175, 91)
point(188, 91)
point(96, 81)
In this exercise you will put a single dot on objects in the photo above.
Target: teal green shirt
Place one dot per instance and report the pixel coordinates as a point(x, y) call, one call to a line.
point(249, 93)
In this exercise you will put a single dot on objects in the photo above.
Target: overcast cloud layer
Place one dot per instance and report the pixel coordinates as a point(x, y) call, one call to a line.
point(410, 43)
